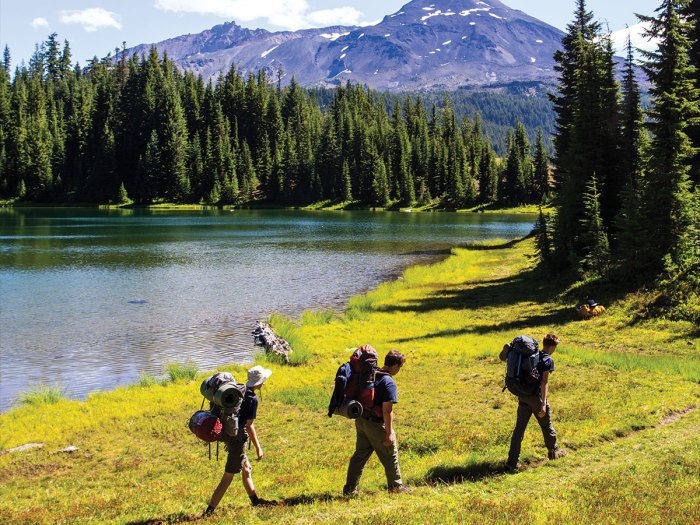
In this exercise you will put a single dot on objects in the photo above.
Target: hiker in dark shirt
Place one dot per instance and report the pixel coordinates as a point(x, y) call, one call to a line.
point(375, 430)
point(537, 404)
point(237, 459)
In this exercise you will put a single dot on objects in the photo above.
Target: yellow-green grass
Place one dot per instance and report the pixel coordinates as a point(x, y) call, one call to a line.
point(623, 400)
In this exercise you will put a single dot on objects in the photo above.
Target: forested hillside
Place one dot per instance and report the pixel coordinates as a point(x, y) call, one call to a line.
point(499, 107)
point(140, 130)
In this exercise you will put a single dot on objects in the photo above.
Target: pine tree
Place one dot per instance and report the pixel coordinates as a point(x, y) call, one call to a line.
point(543, 243)
point(692, 12)
point(669, 205)
point(593, 236)
point(6, 60)
point(247, 173)
point(629, 238)
point(587, 135)
point(346, 186)
point(172, 133)
point(149, 171)
point(540, 176)
point(122, 195)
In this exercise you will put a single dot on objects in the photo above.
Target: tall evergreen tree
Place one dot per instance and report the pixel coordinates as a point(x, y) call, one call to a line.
point(629, 239)
point(593, 235)
point(540, 167)
point(586, 139)
point(692, 14)
point(669, 205)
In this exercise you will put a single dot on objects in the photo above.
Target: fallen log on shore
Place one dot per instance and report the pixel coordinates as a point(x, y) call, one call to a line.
point(265, 336)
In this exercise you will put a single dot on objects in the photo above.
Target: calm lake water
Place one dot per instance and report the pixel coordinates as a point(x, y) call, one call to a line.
point(91, 299)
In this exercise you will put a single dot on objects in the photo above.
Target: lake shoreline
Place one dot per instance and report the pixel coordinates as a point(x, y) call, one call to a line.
point(611, 407)
point(487, 208)
point(159, 287)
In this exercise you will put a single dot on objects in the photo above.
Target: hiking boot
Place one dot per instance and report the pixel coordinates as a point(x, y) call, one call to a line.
point(512, 466)
point(264, 503)
point(557, 453)
point(400, 489)
point(350, 493)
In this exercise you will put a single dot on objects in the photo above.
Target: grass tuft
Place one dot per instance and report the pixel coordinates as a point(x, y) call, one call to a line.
point(287, 330)
point(181, 372)
point(42, 395)
point(318, 318)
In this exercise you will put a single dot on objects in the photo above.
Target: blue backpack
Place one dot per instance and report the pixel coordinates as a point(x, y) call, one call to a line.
point(522, 376)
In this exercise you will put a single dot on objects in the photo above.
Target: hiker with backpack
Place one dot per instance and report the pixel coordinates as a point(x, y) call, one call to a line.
point(237, 460)
point(527, 377)
point(375, 389)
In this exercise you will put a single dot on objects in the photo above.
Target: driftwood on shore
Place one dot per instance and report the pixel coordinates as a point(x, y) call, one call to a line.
point(265, 336)
point(22, 448)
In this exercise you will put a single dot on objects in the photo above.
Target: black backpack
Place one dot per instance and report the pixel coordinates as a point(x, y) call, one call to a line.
point(522, 376)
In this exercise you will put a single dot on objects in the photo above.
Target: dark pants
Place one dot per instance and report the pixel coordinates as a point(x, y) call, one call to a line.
point(526, 407)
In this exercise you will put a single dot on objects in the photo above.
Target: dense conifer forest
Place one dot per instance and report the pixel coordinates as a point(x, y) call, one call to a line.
point(137, 129)
point(627, 200)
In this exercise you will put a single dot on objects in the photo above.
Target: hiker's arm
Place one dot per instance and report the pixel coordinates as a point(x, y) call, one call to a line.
point(254, 437)
point(504, 353)
point(388, 413)
point(544, 388)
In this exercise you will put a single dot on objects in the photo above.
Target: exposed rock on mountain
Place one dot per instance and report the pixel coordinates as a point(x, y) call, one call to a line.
point(427, 44)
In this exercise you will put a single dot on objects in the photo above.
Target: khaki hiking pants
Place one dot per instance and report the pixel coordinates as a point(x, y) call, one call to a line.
point(370, 438)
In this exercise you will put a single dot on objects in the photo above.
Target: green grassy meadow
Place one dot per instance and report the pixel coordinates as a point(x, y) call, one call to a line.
point(624, 401)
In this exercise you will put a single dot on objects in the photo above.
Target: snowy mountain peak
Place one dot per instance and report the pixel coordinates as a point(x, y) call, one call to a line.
point(426, 44)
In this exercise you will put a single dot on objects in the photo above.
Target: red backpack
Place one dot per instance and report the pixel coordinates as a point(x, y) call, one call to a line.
point(364, 371)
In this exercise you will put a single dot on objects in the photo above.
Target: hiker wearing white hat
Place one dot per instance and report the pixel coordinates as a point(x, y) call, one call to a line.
point(257, 376)
point(237, 459)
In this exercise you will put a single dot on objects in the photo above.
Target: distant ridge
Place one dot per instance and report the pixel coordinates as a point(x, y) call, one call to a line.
point(427, 44)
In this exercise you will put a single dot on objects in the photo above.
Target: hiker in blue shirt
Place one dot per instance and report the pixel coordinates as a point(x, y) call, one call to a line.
point(237, 459)
point(375, 430)
point(537, 403)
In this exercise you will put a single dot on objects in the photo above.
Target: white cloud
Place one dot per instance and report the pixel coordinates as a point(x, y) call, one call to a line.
point(40, 22)
point(638, 40)
point(287, 14)
point(91, 19)
point(343, 16)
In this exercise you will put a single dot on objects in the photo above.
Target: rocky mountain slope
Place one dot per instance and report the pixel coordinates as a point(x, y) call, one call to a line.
point(427, 44)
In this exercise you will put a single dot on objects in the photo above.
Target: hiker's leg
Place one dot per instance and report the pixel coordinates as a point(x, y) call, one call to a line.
point(389, 456)
point(516, 440)
point(363, 450)
point(220, 489)
point(548, 432)
point(247, 478)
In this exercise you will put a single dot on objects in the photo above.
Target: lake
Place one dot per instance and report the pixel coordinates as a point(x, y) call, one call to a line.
point(91, 299)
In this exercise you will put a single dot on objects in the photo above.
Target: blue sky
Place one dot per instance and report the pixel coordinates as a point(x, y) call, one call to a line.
point(96, 27)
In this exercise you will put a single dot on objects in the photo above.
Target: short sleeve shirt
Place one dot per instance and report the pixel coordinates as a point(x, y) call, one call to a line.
point(385, 390)
point(546, 363)
point(249, 408)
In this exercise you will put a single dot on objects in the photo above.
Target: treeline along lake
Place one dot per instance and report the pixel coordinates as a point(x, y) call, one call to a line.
point(91, 299)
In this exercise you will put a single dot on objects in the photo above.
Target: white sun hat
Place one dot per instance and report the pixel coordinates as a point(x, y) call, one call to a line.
point(257, 376)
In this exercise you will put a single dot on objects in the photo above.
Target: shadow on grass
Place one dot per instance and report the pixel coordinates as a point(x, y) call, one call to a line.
point(451, 474)
point(555, 318)
point(481, 247)
point(179, 517)
point(479, 294)
point(310, 499)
